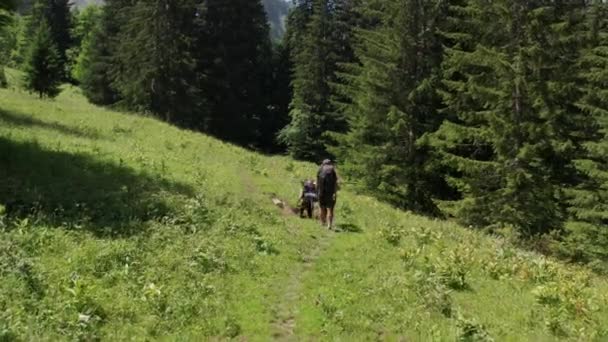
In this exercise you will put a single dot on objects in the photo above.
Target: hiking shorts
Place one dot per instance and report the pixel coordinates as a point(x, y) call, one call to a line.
point(327, 201)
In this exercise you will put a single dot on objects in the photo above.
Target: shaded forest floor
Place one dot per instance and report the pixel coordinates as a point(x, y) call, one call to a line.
point(118, 227)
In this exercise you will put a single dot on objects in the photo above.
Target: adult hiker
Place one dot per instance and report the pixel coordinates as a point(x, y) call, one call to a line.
point(308, 197)
point(327, 188)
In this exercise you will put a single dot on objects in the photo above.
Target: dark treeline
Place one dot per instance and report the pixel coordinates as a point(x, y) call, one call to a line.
point(491, 112)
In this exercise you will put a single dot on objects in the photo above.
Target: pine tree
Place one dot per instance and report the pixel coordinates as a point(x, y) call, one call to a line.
point(587, 230)
point(155, 66)
point(56, 13)
point(86, 22)
point(280, 93)
point(392, 103)
point(99, 64)
point(315, 62)
point(234, 58)
point(6, 6)
point(43, 68)
point(505, 116)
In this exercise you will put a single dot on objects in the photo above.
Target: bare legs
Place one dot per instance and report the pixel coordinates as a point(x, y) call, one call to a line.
point(327, 217)
point(323, 216)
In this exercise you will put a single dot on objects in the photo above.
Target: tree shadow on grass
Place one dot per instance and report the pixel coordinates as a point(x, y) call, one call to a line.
point(19, 119)
point(76, 191)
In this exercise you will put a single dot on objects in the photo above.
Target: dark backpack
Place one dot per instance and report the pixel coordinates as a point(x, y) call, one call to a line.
point(327, 179)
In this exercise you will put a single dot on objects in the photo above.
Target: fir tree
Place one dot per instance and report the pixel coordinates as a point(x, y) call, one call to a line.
point(587, 230)
point(155, 65)
point(234, 60)
point(43, 68)
point(99, 63)
point(392, 104)
point(504, 130)
point(280, 93)
point(57, 15)
point(315, 61)
point(86, 22)
point(6, 6)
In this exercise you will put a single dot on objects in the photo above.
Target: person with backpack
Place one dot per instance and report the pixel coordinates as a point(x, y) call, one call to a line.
point(308, 197)
point(327, 188)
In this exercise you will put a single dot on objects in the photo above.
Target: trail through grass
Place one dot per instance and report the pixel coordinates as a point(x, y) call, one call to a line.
point(115, 226)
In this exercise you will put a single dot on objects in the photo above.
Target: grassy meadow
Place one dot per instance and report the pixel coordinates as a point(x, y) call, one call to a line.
point(114, 226)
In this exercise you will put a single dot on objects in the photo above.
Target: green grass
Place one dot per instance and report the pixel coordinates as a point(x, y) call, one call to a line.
point(115, 227)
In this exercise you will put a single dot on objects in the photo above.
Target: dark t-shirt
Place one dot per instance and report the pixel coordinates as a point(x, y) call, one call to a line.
point(327, 180)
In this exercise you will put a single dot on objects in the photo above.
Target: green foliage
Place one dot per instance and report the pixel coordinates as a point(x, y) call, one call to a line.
point(315, 54)
point(234, 54)
point(97, 61)
point(119, 227)
point(6, 7)
point(511, 130)
point(586, 235)
point(390, 102)
point(155, 65)
point(57, 16)
point(43, 69)
point(86, 24)
point(472, 331)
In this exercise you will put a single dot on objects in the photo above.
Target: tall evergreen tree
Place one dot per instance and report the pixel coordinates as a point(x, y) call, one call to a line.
point(280, 93)
point(86, 22)
point(43, 68)
point(586, 237)
point(504, 133)
point(234, 64)
point(6, 7)
point(392, 103)
point(99, 63)
point(155, 64)
point(315, 62)
point(56, 13)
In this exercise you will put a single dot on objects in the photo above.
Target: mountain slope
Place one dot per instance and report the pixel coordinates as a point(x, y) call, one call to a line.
point(116, 226)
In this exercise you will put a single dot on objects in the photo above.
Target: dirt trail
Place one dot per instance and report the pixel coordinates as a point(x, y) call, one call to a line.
point(284, 324)
point(284, 321)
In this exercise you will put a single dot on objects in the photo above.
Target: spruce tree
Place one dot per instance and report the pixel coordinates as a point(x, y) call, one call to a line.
point(234, 61)
point(315, 62)
point(6, 7)
point(99, 63)
point(155, 66)
point(392, 103)
point(56, 13)
point(280, 94)
point(86, 22)
point(505, 136)
point(43, 70)
point(586, 237)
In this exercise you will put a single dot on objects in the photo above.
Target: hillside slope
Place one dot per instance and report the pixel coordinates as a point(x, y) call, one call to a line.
point(119, 227)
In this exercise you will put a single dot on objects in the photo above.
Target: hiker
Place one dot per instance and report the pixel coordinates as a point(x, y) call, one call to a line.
point(327, 188)
point(308, 197)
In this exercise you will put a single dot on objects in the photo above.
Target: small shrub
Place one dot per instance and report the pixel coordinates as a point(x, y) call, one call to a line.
point(263, 246)
point(454, 267)
point(392, 233)
point(209, 259)
point(433, 293)
point(566, 302)
point(409, 256)
point(504, 264)
point(424, 236)
point(472, 331)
